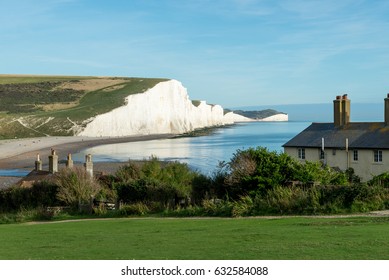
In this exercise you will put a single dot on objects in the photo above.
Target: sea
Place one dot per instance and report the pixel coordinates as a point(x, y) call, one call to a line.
point(205, 153)
point(201, 153)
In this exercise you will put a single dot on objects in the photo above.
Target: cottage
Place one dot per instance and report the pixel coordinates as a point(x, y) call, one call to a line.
point(363, 146)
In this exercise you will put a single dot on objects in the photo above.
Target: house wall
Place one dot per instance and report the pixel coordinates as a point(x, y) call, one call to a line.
point(365, 167)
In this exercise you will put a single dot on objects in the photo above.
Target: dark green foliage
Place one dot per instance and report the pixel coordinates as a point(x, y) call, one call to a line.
point(380, 180)
point(41, 194)
point(258, 170)
point(153, 181)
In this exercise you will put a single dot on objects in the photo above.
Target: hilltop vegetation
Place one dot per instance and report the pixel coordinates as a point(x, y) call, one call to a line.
point(33, 106)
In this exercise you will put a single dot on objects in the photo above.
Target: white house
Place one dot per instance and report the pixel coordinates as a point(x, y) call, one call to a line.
point(363, 146)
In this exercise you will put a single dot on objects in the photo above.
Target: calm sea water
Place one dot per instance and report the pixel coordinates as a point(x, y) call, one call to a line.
point(202, 153)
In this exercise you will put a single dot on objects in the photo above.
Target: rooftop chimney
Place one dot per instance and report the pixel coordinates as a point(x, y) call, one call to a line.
point(69, 161)
point(88, 165)
point(38, 163)
point(387, 110)
point(53, 162)
point(345, 109)
point(342, 110)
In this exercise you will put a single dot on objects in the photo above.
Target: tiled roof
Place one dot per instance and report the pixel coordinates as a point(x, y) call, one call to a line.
point(367, 135)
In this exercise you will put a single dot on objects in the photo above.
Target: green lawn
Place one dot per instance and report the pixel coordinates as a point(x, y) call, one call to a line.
point(163, 238)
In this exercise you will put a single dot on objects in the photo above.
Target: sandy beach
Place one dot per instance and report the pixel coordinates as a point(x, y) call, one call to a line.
point(21, 153)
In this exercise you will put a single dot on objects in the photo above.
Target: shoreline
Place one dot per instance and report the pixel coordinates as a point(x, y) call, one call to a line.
point(21, 153)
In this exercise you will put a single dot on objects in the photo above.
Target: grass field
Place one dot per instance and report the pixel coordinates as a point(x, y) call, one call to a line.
point(161, 238)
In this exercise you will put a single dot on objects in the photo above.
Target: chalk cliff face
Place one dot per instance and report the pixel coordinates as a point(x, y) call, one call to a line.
point(165, 108)
point(275, 118)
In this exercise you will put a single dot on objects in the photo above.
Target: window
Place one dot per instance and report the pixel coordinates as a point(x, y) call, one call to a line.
point(334, 152)
point(378, 156)
point(301, 153)
point(355, 155)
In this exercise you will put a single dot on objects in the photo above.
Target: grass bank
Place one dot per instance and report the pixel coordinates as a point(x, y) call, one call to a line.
point(216, 238)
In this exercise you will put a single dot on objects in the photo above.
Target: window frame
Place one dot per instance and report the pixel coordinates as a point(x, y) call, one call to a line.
point(355, 155)
point(301, 153)
point(377, 156)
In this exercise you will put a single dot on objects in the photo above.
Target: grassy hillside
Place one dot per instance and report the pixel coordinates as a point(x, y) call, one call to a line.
point(32, 106)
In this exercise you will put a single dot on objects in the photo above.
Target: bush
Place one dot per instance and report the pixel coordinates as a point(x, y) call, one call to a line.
point(76, 187)
point(217, 207)
point(154, 181)
point(41, 194)
point(242, 207)
point(138, 209)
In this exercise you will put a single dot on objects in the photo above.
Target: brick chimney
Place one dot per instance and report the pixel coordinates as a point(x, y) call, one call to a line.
point(338, 111)
point(341, 110)
point(345, 109)
point(387, 110)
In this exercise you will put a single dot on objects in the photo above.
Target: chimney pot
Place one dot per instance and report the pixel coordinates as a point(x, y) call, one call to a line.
point(338, 97)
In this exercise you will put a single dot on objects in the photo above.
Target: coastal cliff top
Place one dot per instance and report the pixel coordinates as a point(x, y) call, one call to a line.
point(56, 103)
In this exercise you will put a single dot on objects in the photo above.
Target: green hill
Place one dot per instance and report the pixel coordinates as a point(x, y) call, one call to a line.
point(258, 114)
point(33, 106)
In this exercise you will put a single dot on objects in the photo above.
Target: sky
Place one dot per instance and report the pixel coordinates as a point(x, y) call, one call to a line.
point(228, 52)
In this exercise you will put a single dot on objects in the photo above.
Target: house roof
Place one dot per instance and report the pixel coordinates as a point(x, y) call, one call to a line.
point(366, 135)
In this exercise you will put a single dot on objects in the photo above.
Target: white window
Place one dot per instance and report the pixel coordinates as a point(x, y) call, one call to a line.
point(377, 156)
point(355, 155)
point(301, 153)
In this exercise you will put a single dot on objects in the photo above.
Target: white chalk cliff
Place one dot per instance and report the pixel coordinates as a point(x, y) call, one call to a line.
point(165, 108)
point(275, 118)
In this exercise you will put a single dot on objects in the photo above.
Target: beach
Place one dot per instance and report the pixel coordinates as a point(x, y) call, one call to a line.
point(21, 153)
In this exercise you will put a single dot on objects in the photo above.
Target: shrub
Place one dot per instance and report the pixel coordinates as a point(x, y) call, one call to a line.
point(242, 207)
point(258, 170)
point(380, 180)
point(41, 194)
point(138, 209)
point(76, 187)
point(154, 181)
point(217, 207)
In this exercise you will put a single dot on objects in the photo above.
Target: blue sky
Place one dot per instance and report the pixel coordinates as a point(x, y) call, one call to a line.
point(229, 52)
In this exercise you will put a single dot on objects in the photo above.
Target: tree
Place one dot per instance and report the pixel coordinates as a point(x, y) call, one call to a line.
point(76, 187)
